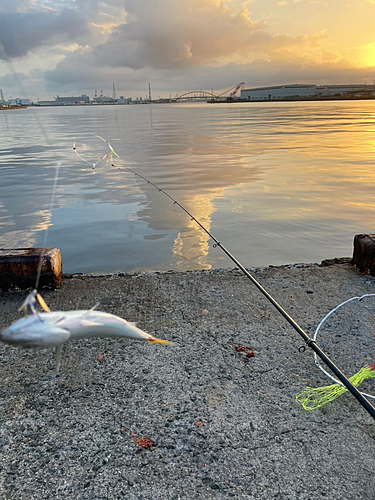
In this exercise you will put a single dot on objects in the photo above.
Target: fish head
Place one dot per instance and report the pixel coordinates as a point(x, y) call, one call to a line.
point(36, 330)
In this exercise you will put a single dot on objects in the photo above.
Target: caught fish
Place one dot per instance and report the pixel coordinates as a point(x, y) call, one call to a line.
point(52, 329)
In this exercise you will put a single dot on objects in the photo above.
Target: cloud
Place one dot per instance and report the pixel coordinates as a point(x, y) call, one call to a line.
point(165, 81)
point(11, 80)
point(13, 5)
point(169, 35)
point(22, 32)
point(176, 45)
point(188, 44)
point(22, 85)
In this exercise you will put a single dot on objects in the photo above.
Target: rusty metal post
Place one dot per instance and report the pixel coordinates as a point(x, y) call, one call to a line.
point(19, 267)
point(364, 253)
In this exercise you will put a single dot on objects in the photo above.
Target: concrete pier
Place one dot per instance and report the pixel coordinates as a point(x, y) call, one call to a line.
point(222, 426)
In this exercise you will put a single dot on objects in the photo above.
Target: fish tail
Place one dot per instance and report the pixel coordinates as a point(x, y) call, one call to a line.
point(42, 303)
point(160, 341)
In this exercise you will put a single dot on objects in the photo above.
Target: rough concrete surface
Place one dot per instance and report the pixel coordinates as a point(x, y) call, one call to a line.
point(221, 428)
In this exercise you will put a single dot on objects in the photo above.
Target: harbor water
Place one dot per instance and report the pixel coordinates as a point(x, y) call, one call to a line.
point(276, 183)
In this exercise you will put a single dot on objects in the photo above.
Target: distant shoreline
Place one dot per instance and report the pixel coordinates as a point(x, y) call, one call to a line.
point(227, 101)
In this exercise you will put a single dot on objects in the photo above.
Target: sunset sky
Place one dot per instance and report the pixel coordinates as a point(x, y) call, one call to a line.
point(66, 47)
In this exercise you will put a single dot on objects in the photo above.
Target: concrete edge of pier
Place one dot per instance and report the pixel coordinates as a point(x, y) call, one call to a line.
point(20, 267)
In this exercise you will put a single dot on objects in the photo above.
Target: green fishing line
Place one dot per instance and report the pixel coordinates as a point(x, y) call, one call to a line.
point(313, 398)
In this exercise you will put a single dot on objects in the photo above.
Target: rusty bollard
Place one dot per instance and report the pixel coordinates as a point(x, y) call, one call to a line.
point(364, 253)
point(19, 267)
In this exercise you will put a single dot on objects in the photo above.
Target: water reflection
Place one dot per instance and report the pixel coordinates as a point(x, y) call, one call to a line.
point(191, 245)
point(275, 182)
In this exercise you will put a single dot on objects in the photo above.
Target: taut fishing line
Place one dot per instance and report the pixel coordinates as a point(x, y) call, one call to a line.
point(341, 379)
point(30, 303)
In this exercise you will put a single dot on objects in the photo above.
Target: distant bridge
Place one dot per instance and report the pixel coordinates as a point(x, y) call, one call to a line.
point(196, 95)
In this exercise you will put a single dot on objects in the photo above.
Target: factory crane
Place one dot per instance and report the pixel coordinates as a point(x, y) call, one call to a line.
point(233, 91)
point(232, 94)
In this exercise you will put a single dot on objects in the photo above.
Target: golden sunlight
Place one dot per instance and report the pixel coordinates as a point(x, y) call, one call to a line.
point(364, 55)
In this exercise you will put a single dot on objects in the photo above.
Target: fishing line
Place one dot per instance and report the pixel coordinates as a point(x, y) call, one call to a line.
point(50, 329)
point(54, 189)
point(86, 161)
point(308, 341)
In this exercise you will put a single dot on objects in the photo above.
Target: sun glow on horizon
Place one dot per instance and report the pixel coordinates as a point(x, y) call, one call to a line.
point(367, 55)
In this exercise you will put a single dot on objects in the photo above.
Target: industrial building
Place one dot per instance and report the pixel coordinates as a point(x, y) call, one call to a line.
point(18, 101)
point(123, 100)
point(65, 101)
point(83, 99)
point(303, 91)
point(346, 90)
point(104, 99)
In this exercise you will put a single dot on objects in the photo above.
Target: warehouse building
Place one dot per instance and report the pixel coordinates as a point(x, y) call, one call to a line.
point(278, 92)
point(300, 91)
point(18, 101)
point(345, 90)
point(83, 99)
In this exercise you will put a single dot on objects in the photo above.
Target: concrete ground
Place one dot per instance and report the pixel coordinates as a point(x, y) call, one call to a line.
point(221, 428)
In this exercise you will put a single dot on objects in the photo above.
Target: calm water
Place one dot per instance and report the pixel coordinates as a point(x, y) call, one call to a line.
point(276, 183)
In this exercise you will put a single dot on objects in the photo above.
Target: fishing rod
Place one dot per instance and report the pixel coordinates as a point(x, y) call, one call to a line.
point(311, 343)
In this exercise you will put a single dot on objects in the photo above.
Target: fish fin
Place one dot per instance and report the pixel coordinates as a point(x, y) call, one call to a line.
point(86, 313)
point(87, 322)
point(28, 305)
point(132, 323)
point(159, 341)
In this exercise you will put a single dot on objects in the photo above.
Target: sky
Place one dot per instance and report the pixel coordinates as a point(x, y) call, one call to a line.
point(72, 47)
